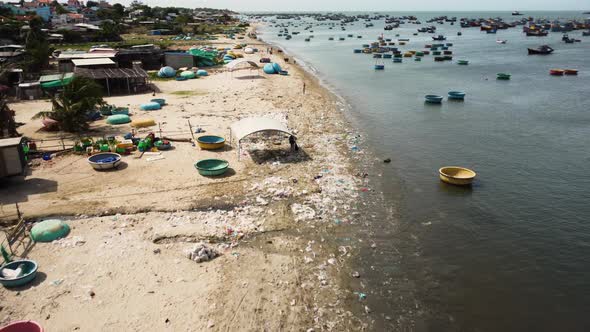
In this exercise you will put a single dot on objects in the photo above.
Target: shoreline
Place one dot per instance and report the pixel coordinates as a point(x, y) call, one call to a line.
point(295, 221)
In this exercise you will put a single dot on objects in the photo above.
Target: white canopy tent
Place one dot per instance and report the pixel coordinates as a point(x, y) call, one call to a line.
point(248, 126)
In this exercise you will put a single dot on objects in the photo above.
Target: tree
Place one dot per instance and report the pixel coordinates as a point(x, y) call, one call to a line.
point(119, 10)
point(59, 9)
point(109, 31)
point(72, 107)
point(7, 123)
point(36, 47)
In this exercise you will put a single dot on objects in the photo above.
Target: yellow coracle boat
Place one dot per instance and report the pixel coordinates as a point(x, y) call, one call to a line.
point(456, 175)
point(210, 142)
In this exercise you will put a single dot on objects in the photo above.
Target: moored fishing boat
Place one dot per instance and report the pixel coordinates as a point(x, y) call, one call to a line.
point(542, 50)
point(503, 76)
point(439, 37)
point(556, 72)
point(379, 67)
point(463, 62)
point(499, 41)
point(397, 60)
point(457, 95)
point(570, 71)
point(433, 99)
point(456, 175)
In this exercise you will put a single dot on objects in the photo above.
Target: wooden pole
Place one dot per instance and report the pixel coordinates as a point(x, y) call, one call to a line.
point(190, 127)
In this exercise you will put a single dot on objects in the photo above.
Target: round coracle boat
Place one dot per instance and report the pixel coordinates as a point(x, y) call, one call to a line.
point(103, 161)
point(456, 175)
point(212, 167)
point(211, 142)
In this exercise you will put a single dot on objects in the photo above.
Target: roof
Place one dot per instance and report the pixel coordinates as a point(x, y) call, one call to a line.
point(241, 62)
point(87, 26)
point(93, 62)
point(68, 56)
point(111, 73)
point(249, 126)
point(56, 77)
point(8, 142)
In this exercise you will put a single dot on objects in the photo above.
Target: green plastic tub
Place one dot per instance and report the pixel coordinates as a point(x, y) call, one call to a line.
point(212, 167)
point(29, 269)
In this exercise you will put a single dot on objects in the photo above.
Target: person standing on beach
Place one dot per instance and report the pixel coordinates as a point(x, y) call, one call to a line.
point(304, 87)
point(293, 143)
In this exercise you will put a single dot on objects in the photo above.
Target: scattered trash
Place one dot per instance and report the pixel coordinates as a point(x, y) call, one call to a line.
point(388, 160)
point(57, 282)
point(355, 274)
point(74, 241)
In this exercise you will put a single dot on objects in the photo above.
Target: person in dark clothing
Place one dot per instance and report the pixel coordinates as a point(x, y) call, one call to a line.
point(293, 143)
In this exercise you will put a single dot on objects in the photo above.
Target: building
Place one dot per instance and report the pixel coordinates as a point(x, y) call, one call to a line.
point(66, 64)
point(11, 53)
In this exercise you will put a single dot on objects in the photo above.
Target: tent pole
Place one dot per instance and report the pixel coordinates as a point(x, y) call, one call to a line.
point(108, 88)
point(128, 86)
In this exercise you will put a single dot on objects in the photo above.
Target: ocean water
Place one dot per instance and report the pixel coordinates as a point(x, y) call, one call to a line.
point(510, 253)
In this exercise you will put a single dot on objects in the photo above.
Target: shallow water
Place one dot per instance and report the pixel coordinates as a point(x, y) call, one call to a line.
point(511, 253)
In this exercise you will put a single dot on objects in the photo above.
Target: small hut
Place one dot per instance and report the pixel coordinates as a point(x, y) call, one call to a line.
point(117, 80)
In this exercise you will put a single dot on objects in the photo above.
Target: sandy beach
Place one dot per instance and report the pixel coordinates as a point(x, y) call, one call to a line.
point(123, 266)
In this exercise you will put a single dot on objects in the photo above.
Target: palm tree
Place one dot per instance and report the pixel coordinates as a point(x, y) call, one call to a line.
point(72, 107)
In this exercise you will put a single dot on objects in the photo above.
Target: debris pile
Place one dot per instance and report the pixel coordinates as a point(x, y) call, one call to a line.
point(201, 253)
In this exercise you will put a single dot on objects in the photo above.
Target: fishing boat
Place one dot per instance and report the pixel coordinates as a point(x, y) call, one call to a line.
point(542, 50)
point(357, 51)
point(457, 95)
point(212, 167)
point(377, 56)
point(536, 33)
point(463, 62)
point(211, 142)
point(439, 37)
point(387, 56)
point(556, 72)
point(331, 38)
point(503, 76)
point(456, 175)
point(586, 33)
point(570, 71)
point(492, 31)
point(106, 160)
point(379, 67)
point(499, 41)
point(397, 60)
point(433, 99)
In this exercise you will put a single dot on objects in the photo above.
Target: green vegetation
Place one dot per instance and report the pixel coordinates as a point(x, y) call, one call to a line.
point(37, 47)
point(72, 107)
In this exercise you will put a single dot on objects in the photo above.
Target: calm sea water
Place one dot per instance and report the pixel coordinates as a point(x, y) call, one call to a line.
point(512, 253)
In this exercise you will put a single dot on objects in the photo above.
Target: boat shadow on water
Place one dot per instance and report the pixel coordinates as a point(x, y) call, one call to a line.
point(458, 191)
